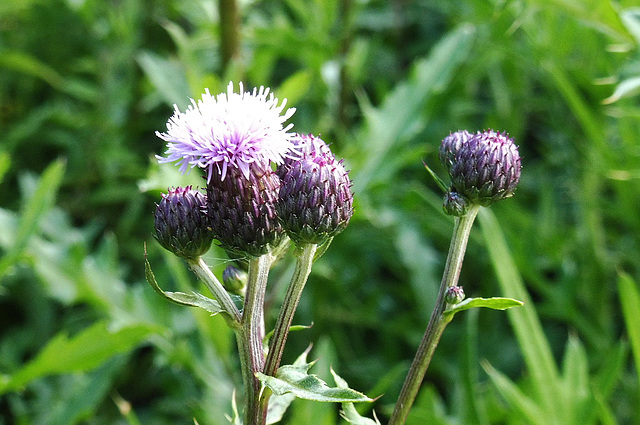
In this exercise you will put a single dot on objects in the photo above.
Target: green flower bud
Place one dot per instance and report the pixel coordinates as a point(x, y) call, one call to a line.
point(454, 295)
point(486, 168)
point(181, 223)
point(234, 279)
point(455, 204)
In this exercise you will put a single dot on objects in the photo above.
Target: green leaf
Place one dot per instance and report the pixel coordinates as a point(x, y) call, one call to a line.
point(278, 404)
point(495, 303)
point(84, 351)
point(349, 412)
point(295, 379)
point(192, 300)
point(630, 301)
point(5, 163)
point(526, 408)
point(33, 210)
point(524, 321)
point(168, 77)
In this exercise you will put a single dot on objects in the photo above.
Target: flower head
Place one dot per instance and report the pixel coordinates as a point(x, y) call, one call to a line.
point(486, 168)
point(242, 211)
point(315, 200)
point(181, 223)
point(231, 130)
point(450, 146)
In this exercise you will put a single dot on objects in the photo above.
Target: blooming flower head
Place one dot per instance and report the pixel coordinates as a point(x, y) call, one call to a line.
point(231, 130)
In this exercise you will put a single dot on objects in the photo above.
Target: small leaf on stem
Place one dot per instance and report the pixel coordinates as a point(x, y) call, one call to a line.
point(192, 300)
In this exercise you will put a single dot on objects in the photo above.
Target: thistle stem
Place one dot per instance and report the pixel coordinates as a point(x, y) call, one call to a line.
point(438, 321)
point(304, 262)
point(200, 268)
point(250, 337)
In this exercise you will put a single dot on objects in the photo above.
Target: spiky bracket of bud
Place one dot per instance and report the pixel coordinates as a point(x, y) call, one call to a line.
point(315, 199)
point(484, 168)
point(181, 224)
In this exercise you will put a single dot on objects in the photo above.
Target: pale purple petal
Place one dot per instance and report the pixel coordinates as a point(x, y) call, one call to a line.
point(228, 130)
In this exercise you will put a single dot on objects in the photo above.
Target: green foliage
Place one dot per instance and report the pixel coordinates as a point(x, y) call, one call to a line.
point(84, 85)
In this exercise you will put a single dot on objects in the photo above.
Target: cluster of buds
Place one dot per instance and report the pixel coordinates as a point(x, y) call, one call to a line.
point(248, 208)
point(484, 168)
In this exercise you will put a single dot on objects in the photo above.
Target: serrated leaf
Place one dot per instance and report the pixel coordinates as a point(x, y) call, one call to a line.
point(296, 380)
point(495, 303)
point(84, 351)
point(349, 412)
point(278, 404)
point(191, 300)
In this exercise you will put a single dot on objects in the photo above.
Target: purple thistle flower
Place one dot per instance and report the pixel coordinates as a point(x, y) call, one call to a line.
point(231, 130)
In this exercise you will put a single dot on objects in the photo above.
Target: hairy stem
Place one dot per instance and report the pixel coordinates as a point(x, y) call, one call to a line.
point(437, 322)
point(250, 338)
point(200, 268)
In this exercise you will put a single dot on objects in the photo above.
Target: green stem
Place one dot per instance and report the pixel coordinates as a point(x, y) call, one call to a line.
point(304, 262)
point(250, 337)
point(200, 268)
point(229, 31)
point(437, 322)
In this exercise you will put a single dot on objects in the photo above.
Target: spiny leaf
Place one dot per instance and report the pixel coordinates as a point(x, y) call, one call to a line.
point(295, 379)
point(192, 300)
point(349, 412)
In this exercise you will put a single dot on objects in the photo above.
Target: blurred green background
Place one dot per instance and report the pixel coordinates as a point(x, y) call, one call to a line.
point(84, 85)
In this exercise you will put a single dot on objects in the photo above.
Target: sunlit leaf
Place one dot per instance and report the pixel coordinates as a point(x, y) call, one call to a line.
point(192, 300)
point(297, 380)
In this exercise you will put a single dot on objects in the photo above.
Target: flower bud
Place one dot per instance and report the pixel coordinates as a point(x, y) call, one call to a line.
point(315, 200)
point(486, 168)
point(181, 223)
point(451, 145)
point(455, 204)
point(242, 211)
point(234, 279)
point(454, 295)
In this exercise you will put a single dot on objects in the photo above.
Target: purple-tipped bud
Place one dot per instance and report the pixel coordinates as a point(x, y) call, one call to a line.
point(454, 295)
point(486, 168)
point(315, 201)
point(455, 204)
point(234, 279)
point(451, 145)
point(181, 223)
point(242, 211)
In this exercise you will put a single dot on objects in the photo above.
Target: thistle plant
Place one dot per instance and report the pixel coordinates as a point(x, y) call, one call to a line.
point(251, 211)
point(483, 168)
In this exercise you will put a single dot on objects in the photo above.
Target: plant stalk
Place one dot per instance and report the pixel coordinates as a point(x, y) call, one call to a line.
point(437, 322)
point(304, 262)
point(250, 337)
point(200, 268)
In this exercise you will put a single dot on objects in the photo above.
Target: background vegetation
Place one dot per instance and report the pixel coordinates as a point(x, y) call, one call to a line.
point(84, 84)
